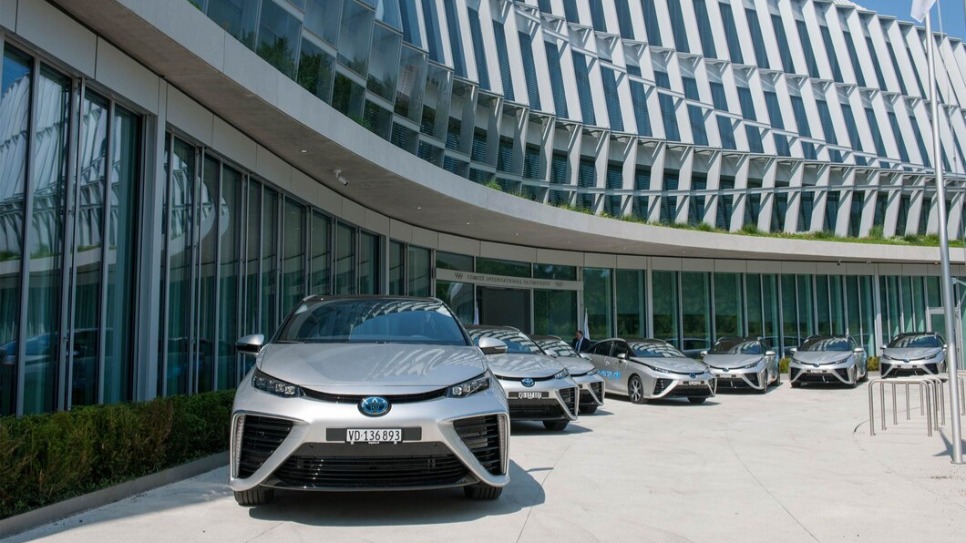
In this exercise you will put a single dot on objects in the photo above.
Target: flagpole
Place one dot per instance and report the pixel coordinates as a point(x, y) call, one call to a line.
point(947, 283)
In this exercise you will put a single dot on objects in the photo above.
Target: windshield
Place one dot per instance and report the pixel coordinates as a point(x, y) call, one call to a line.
point(516, 341)
point(557, 347)
point(372, 320)
point(826, 344)
point(912, 342)
point(648, 349)
point(736, 346)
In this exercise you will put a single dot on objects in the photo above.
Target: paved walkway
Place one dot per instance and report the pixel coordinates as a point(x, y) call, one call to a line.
point(788, 466)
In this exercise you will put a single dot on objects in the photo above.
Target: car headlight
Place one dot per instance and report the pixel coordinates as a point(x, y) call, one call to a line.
point(753, 364)
point(271, 385)
point(592, 372)
point(562, 373)
point(472, 386)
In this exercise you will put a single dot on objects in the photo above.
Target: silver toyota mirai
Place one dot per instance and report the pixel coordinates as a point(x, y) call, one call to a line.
point(743, 362)
point(648, 369)
point(914, 353)
point(368, 393)
point(828, 359)
point(581, 370)
point(538, 387)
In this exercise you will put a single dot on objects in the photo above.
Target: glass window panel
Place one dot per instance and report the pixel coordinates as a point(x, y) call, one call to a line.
point(597, 18)
point(704, 29)
point(631, 303)
point(459, 298)
point(553, 271)
point(556, 79)
point(315, 71)
point(624, 21)
point(529, 70)
point(651, 23)
point(412, 78)
point(253, 237)
point(728, 305)
point(320, 259)
point(555, 312)
point(757, 39)
point(639, 99)
point(397, 271)
point(669, 116)
point(368, 263)
point(586, 178)
point(229, 290)
point(410, 22)
point(598, 302)
point(695, 311)
point(806, 326)
point(612, 99)
point(122, 245)
point(384, 62)
point(504, 57)
point(180, 236)
point(278, 37)
point(387, 11)
point(508, 268)
point(345, 268)
point(582, 79)
point(782, 43)
point(293, 255)
point(323, 18)
point(769, 301)
point(433, 40)
point(790, 335)
point(348, 97)
point(731, 33)
point(854, 58)
point(822, 309)
point(355, 37)
point(664, 286)
point(455, 38)
point(89, 242)
point(452, 261)
point(237, 17)
point(753, 306)
point(875, 63)
point(269, 270)
point(207, 273)
point(678, 29)
point(830, 51)
point(479, 48)
point(419, 269)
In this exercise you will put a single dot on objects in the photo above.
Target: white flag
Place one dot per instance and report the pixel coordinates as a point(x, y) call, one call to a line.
point(586, 327)
point(920, 8)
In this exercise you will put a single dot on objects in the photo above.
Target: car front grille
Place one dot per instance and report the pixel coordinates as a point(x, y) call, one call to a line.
point(660, 385)
point(356, 398)
point(569, 396)
point(585, 395)
point(482, 436)
point(843, 373)
point(359, 466)
point(260, 437)
point(536, 410)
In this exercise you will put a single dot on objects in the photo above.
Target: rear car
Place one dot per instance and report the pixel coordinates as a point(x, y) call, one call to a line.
point(650, 369)
point(828, 360)
point(538, 388)
point(582, 371)
point(368, 393)
point(914, 353)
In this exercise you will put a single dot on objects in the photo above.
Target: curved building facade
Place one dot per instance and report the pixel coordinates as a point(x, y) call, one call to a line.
point(176, 175)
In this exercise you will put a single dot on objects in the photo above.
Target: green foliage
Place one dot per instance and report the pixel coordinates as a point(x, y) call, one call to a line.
point(873, 363)
point(279, 54)
point(494, 184)
point(783, 365)
point(750, 229)
point(876, 232)
point(51, 457)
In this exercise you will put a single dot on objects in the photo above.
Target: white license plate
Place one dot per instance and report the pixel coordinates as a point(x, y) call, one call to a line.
point(384, 435)
point(814, 371)
point(695, 383)
point(529, 395)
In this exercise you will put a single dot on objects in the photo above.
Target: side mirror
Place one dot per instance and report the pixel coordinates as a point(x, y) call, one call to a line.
point(622, 356)
point(858, 350)
point(250, 345)
point(769, 353)
point(703, 354)
point(491, 345)
point(945, 346)
point(585, 356)
point(793, 350)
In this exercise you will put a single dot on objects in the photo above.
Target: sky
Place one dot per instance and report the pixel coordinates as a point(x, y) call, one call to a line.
point(953, 22)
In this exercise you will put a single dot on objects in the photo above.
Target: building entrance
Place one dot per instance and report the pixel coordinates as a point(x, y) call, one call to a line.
point(505, 307)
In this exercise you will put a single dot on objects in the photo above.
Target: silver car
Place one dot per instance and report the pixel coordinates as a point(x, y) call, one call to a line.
point(743, 363)
point(914, 353)
point(581, 370)
point(828, 359)
point(368, 393)
point(648, 369)
point(538, 387)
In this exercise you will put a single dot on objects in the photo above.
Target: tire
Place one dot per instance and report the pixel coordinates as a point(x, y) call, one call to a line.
point(696, 400)
point(554, 425)
point(635, 390)
point(796, 384)
point(256, 496)
point(481, 491)
point(589, 410)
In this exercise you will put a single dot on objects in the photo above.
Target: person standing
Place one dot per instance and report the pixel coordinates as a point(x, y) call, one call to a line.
point(580, 344)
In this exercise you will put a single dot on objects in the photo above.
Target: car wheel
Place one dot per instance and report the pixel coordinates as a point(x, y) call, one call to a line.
point(588, 410)
point(481, 491)
point(635, 389)
point(555, 425)
point(696, 400)
point(256, 496)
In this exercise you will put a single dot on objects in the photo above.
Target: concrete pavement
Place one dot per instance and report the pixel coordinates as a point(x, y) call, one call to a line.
point(791, 465)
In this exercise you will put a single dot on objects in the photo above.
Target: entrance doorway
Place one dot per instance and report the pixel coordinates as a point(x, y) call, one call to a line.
point(505, 307)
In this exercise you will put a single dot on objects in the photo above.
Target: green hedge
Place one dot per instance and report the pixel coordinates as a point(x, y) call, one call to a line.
point(51, 457)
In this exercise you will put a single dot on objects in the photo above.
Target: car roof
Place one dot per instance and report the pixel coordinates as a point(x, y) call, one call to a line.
point(327, 298)
point(540, 337)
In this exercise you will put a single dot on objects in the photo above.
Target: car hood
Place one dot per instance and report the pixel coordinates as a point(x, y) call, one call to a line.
point(729, 361)
point(366, 368)
point(520, 365)
point(575, 364)
point(915, 353)
point(822, 357)
point(675, 365)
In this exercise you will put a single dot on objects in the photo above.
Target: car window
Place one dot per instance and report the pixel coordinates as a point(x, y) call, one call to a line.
point(647, 349)
point(826, 344)
point(516, 341)
point(915, 341)
point(372, 320)
point(736, 346)
point(557, 347)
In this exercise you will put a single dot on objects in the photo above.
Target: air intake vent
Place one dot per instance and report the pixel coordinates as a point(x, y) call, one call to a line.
point(260, 437)
point(482, 436)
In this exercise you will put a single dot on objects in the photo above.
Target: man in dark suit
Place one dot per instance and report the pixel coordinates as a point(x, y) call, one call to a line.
point(580, 344)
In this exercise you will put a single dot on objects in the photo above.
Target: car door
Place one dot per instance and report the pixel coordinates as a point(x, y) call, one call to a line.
point(858, 353)
point(621, 355)
point(600, 357)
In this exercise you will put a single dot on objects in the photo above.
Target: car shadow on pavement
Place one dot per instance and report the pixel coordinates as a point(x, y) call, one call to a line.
point(441, 506)
point(537, 429)
point(746, 391)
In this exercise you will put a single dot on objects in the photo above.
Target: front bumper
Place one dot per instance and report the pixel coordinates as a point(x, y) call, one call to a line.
point(896, 368)
point(755, 378)
point(668, 385)
point(300, 443)
point(839, 373)
point(591, 390)
point(558, 399)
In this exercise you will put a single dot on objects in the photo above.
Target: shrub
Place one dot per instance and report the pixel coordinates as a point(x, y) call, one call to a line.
point(873, 363)
point(51, 457)
point(783, 365)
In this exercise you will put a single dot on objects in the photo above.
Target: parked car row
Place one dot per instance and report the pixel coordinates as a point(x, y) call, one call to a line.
point(391, 392)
